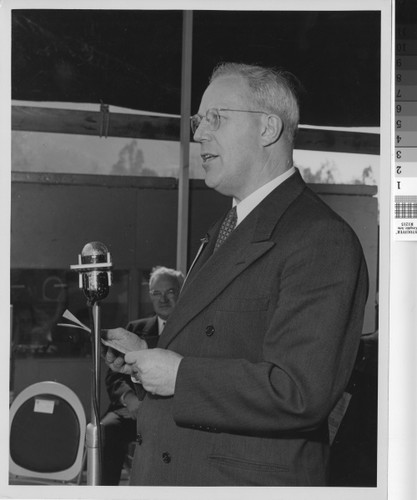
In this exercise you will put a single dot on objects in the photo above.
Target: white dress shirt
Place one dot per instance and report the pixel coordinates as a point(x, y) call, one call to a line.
point(161, 325)
point(245, 207)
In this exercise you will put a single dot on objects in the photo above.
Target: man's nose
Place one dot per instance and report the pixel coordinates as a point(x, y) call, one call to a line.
point(197, 134)
point(200, 133)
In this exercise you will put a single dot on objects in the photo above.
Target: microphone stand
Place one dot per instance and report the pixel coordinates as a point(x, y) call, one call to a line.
point(93, 431)
point(94, 265)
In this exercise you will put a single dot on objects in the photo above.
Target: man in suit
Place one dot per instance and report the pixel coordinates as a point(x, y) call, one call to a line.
point(119, 423)
point(264, 335)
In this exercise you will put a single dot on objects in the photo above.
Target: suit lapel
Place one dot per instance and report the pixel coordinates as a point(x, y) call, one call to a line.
point(249, 241)
point(208, 283)
point(204, 253)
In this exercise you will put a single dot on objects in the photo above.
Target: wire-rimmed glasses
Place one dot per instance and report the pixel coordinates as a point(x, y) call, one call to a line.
point(170, 294)
point(212, 117)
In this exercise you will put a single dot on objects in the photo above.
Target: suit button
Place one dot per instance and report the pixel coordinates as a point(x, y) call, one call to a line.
point(139, 438)
point(210, 330)
point(166, 457)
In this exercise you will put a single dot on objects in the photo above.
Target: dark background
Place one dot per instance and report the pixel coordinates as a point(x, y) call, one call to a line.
point(132, 58)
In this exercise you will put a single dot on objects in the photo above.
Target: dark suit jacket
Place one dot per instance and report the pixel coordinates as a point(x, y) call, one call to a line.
point(269, 327)
point(117, 383)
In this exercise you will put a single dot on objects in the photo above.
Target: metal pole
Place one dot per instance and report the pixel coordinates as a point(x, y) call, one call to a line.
point(183, 180)
point(93, 428)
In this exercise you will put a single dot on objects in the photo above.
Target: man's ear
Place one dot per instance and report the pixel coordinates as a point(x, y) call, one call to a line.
point(272, 129)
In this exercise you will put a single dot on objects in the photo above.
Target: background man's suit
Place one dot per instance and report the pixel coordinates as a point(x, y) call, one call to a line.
point(269, 326)
point(118, 430)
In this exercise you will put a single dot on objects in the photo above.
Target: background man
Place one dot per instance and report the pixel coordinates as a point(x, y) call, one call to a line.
point(263, 338)
point(119, 423)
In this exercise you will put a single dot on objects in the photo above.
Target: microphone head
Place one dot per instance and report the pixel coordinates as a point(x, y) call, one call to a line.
point(94, 252)
point(95, 278)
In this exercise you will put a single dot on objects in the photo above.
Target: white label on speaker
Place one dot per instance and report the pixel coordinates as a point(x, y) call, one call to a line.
point(44, 405)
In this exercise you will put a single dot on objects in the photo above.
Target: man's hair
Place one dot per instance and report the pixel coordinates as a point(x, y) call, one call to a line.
point(158, 271)
point(274, 91)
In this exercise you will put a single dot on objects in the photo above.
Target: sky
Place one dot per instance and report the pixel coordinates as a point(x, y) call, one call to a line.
point(80, 154)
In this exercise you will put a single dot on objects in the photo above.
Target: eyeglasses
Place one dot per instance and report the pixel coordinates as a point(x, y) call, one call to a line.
point(212, 117)
point(157, 294)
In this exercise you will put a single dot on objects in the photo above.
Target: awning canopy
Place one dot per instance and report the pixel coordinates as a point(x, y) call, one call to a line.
point(132, 58)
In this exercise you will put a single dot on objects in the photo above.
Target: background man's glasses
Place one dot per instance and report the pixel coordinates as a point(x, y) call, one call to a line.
point(212, 117)
point(170, 294)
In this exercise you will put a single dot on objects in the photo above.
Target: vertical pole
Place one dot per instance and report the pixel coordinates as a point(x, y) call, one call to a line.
point(93, 440)
point(97, 355)
point(183, 180)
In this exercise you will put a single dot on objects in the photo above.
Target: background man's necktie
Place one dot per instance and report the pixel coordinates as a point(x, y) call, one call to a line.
point(228, 224)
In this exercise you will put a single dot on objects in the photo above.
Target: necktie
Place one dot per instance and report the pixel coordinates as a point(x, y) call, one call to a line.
point(228, 224)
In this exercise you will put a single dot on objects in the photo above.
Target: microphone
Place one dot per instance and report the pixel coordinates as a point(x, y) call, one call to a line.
point(94, 267)
point(94, 264)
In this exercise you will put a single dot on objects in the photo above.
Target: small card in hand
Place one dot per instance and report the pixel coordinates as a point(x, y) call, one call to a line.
point(114, 344)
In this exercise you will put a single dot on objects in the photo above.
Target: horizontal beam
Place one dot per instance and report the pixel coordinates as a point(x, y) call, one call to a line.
point(110, 124)
point(170, 183)
point(68, 121)
point(337, 141)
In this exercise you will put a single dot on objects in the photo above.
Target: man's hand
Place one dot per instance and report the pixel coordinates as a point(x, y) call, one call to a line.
point(156, 369)
point(132, 404)
point(125, 341)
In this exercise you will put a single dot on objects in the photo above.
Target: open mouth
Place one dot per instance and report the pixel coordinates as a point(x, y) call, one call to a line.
point(207, 157)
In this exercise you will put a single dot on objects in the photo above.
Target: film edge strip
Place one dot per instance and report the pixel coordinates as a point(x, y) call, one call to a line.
point(404, 189)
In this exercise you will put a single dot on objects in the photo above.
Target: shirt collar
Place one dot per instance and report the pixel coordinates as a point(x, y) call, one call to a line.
point(161, 325)
point(246, 206)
